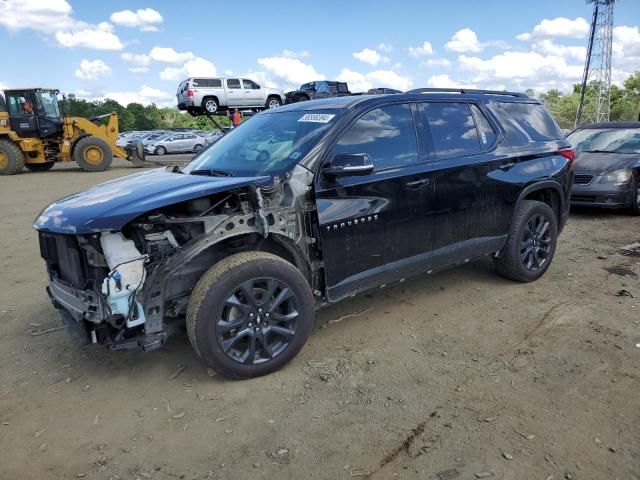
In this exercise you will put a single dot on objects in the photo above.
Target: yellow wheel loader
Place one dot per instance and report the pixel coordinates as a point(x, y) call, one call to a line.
point(34, 134)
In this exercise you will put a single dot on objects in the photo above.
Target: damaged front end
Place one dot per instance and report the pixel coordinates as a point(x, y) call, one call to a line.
point(130, 288)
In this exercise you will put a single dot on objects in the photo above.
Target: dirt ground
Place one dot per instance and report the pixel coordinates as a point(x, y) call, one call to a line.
point(458, 375)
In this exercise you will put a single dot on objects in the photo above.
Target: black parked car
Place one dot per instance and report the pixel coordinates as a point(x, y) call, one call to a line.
point(317, 90)
point(303, 206)
point(607, 166)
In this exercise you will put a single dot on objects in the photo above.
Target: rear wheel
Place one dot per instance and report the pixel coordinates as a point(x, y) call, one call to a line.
point(11, 158)
point(531, 243)
point(39, 167)
point(250, 314)
point(210, 105)
point(93, 154)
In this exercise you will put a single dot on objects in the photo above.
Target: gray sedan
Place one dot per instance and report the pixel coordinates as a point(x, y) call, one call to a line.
point(174, 143)
point(607, 165)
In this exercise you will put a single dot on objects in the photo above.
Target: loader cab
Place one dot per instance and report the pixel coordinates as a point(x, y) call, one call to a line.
point(34, 113)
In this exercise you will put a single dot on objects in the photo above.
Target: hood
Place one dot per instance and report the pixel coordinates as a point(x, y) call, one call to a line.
point(599, 163)
point(111, 205)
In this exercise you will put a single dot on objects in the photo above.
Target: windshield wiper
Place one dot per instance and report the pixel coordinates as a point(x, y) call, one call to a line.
point(211, 172)
point(597, 151)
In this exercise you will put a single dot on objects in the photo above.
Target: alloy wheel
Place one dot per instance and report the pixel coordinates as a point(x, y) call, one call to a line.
point(211, 106)
point(535, 244)
point(273, 103)
point(258, 321)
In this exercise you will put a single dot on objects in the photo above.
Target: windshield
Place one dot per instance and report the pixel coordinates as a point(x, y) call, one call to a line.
point(48, 105)
point(619, 140)
point(267, 144)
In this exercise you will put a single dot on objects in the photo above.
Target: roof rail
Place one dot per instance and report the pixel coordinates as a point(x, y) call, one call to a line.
point(466, 90)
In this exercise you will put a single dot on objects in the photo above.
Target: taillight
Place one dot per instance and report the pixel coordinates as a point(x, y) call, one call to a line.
point(569, 154)
point(190, 93)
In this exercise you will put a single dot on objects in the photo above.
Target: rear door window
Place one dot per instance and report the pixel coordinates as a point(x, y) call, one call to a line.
point(533, 119)
point(452, 128)
point(486, 133)
point(233, 83)
point(387, 134)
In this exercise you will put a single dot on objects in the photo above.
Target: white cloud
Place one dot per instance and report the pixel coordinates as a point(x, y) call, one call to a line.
point(369, 56)
point(290, 70)
point(521, 70)
point(423, 50)
point(54, 18)
point(436, 62)
point(549, 47)
point(139, 69)
point(100, 38)
point(92, 70)
point(557, 27)
point(169, 55)
point(464, 40)
point(145, 19)
point(196, 67)
point(443, 81)
point(294, 54)
point(141, 60)
point(360, 82)
point(385, 47)
point(146, 96)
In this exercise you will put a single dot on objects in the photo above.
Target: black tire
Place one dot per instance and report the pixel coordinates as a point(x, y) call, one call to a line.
point(219, 293)
point(635, 202)
point(160, 150)
point(197, 148)
point(11, 158)
point(531, 243)
point(273, 102)
point(39, 167)
point(210, 105)
point(93, 154)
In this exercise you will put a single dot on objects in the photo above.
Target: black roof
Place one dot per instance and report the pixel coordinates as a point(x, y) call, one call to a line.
point(348, 101)
point(611, 125)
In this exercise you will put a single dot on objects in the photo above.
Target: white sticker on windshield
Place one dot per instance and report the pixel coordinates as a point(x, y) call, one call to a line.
point(295, 155)
point(316, 117)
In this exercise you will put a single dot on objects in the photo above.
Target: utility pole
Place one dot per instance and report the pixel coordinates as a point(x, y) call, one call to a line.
point(595, 101)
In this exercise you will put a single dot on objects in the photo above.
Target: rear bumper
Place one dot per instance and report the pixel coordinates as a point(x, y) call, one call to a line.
point(603, 195)
point(186, 105)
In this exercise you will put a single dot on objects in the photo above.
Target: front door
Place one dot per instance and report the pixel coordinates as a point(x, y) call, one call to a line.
point(22, 114)
point(253, 94)
point(235, 93)
point(374, 227)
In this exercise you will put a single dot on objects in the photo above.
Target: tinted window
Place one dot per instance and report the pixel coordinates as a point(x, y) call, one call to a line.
point(533, 119)
point(322, 87)
point(387, 134)
point(342, 88)
point(250, 85)
point(207, 82)
point(452, 128)
point(485, 130)
point(233, 83)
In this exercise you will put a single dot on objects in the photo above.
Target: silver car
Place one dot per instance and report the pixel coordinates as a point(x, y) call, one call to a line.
point(174, 143)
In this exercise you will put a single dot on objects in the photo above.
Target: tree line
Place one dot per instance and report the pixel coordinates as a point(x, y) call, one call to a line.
point(625, 105)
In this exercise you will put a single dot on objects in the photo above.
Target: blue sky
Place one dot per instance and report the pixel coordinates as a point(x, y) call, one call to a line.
point(139, 51)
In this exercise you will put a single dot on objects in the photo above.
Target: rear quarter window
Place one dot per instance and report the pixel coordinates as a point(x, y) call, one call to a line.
point(528, 120)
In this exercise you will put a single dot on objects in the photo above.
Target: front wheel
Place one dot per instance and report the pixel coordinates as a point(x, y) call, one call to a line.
point(635, 205)
point(273, 102)
point(250, 314)
point(197, 148)
point(531, 243)
point(93, 154)
point(160, 151)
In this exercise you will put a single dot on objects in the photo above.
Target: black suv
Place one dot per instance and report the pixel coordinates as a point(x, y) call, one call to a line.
point(302, 206)
point(317, 90)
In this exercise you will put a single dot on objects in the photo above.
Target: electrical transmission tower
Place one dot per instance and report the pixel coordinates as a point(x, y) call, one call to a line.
point(596, 80)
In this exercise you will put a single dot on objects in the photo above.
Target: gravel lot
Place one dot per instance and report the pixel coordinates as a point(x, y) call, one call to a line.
point(462, 374)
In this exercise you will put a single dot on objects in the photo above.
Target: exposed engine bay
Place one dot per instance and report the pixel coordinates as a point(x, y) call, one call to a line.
point(131, 288)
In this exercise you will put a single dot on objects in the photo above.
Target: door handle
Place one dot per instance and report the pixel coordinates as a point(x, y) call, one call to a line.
point(507, 166)
point(418, 183)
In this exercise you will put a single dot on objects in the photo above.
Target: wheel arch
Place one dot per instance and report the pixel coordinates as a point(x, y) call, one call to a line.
point(206, 97)
point(549, 192)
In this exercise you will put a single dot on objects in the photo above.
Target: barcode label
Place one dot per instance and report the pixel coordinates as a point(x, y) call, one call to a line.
point(316, 117)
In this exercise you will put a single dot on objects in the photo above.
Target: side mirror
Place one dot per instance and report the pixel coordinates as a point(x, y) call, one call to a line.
point(349, 165)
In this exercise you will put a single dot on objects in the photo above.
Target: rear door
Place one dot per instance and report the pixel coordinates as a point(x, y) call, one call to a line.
point(374, 228)
point(466, 197)
point(235, 93)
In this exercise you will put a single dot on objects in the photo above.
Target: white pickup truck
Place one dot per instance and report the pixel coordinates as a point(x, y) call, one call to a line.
point(210, 95)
